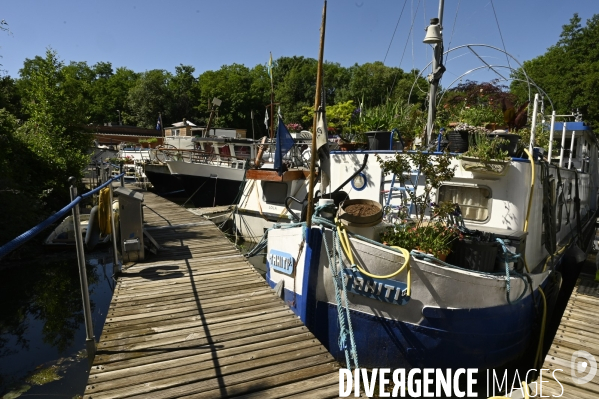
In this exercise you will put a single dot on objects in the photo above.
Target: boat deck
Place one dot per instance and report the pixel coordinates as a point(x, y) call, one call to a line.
point(578, 331)
point(198, 321)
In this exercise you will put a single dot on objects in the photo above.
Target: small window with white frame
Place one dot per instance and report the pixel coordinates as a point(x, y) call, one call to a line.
point(473, 200)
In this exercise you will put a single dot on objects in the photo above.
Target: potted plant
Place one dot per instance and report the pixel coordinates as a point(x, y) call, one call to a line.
point(485, 155)
point(294, 127)
point(147, 143)
point(430, 230)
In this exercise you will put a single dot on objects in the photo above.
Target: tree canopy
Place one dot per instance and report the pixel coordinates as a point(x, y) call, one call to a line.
point(569, 70)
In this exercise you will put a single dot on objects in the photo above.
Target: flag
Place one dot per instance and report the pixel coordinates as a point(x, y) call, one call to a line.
point(322, 147)
point(158, 124)
point(266, 119)
point(284, 144)
point(270, 67)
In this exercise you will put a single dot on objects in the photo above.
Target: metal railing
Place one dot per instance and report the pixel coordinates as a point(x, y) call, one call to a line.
point(73, 206)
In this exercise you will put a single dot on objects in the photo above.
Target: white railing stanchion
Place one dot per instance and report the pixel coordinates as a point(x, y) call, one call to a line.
point(561, 151)
point(551, 131)
point(571, 149)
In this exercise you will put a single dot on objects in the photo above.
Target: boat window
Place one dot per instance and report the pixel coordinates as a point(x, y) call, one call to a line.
point(274, 192)
point(242, 151)
point(473, 201)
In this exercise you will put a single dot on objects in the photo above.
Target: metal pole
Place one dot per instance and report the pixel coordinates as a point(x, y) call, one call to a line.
point(561, 151)
point(534, 123)
point(115, 265)
point(434, 81)
point(90, 341)
point(571, 149)
point(551, 136)
point(121, 173)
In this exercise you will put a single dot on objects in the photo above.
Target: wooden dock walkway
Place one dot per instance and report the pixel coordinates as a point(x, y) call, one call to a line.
point(578, 331)
point(198, 321)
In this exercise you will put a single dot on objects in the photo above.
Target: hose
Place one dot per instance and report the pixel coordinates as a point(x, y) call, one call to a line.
point(343, 238)
point(532, 186)
point(539, 355)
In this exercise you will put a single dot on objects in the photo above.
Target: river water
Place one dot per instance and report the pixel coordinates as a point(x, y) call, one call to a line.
point(42, 333)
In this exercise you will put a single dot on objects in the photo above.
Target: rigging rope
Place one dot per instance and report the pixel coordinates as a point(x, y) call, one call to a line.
point(395, 30)
point(500, 35)
point(404, 49)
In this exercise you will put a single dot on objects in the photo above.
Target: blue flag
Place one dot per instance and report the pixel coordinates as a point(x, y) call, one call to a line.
point(284, 144)
point(158, 125)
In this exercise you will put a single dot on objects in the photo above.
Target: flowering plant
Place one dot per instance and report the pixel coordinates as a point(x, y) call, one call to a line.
point(294, 127)
point(435, 238)
point(432, 228)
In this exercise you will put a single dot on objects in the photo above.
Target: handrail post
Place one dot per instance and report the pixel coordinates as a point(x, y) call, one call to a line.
point(116, 266)
point(121, 173)
point(90, 341)
point(571, 148)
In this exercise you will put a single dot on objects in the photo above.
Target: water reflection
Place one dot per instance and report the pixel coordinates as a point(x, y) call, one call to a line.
point(41, 319)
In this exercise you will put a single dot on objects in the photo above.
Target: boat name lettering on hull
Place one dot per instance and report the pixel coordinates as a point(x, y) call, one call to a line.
point(384, 290)
point(280, 261)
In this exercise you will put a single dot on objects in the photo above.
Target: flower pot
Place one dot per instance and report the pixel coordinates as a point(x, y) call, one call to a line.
point(348, 146)
point(512, 146)
point(474, 255)
point(361, 217)
point(379, 140)
point(458, 140)
point(494, 167)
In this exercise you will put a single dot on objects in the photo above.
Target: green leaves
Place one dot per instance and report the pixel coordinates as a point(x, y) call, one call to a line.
point(568, 71)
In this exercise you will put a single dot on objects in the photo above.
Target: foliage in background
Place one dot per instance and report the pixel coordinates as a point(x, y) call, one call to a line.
point(568, 71)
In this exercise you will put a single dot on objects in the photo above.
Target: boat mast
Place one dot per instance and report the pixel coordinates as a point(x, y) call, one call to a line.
point(434, 37)
point(317, 101)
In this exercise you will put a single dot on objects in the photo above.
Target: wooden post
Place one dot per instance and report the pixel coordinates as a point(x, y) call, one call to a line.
point(317, 101)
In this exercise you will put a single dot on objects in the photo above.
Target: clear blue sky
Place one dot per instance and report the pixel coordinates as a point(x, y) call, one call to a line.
point(149, 34)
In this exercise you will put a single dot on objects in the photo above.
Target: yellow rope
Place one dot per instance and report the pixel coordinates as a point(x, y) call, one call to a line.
point(343, 238)
point(104, 211)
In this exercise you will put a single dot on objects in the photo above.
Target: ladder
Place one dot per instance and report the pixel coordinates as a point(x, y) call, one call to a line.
point(407, 183)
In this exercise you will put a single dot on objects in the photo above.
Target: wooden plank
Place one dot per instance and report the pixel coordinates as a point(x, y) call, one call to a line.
point(198, 319)
point(577, 331)
point(330, 379)
point(128, 360)
point(147, 363)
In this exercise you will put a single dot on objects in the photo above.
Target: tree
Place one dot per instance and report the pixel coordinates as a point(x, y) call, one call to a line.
point(185, 93)
point(149, 95)
point(568, 71)
point(233, 84)
point(295, 85)
point(52, 134)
